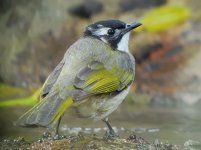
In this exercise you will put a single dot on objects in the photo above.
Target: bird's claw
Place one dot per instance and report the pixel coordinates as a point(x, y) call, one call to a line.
point(110, 135)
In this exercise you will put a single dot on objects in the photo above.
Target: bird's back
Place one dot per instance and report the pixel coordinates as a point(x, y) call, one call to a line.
point(84, 51)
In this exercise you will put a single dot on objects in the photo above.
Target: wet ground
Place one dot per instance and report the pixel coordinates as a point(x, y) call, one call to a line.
point(169, 125)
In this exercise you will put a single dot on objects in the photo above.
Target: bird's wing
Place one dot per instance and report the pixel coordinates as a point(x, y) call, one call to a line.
point(96, 79)
point(52, 78)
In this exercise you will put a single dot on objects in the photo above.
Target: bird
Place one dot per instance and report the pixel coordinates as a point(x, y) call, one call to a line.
point(94, 77)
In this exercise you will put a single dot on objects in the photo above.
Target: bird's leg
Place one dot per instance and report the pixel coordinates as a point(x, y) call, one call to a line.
point(110, 133)
point(57, 127)
point(52, 132)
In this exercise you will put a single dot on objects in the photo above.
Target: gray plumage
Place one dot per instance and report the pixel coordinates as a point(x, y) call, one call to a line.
point(68, 77)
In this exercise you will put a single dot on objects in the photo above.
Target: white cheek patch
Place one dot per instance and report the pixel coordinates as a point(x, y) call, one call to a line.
point(123, 44)
point(102, 31)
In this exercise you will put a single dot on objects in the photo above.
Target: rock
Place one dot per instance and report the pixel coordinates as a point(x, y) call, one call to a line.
point(86, 9)
point(32, 34)
point(163, 101)
point(145, 51)
point(5, 6)
point(192, 145)
point(189, 78)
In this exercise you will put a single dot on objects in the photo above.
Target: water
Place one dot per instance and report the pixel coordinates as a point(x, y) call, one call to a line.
point(166, 124)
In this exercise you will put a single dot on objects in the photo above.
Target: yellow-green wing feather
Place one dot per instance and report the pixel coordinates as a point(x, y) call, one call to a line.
point(46, 112)
point(96, 79)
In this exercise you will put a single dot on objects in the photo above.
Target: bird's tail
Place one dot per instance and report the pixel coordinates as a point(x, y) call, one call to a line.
point(46, 112)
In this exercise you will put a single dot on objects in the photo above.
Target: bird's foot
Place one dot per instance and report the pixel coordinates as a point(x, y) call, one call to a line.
point(110, 134)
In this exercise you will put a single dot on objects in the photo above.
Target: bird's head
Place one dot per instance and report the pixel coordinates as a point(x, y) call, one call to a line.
point(113, 32)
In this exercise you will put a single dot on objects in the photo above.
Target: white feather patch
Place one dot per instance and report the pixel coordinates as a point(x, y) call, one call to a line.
point(102, 31)
point(123, 44)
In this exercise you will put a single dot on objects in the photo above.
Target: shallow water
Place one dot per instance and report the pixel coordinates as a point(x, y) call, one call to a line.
point(166, 124)
point(173, 125)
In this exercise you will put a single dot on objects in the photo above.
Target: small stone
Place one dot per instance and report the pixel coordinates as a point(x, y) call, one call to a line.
point(91, 146)
point(40, 141)
point(56, 137)
point(46, 135)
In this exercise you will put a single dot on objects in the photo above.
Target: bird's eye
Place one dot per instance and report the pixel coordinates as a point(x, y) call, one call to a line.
point(111, 31)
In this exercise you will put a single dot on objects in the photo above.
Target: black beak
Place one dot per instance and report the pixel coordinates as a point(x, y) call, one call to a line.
point(130, 27)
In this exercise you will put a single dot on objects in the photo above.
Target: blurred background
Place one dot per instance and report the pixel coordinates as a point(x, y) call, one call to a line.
point(165, 99)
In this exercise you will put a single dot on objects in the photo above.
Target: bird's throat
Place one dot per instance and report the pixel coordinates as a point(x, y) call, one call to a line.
point(123, 43)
